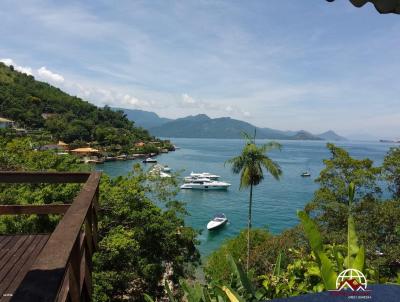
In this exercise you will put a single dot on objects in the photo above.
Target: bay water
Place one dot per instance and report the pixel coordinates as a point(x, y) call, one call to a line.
point(274, 202)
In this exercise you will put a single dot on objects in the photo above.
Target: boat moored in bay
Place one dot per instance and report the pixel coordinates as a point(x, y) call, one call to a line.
point(149, 160)
point(205, 175)
point(205, 184)
point(217, 222)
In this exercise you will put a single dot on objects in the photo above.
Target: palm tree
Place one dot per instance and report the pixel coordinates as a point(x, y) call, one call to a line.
point(250, 164)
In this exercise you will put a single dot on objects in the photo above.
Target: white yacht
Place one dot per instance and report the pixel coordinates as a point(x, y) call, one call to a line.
point(205, 184)
point(205, 175)
point(218, 221)
point(149, 160)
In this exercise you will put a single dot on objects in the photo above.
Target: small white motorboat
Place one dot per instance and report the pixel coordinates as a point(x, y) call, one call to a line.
point(306, 174)
point(149, 160)
point(218, 221)
point(205, 184)
point(205, 175)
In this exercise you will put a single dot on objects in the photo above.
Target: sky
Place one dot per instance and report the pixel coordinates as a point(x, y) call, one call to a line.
point(287, 65)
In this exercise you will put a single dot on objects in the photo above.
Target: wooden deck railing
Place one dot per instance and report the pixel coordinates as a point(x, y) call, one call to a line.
point(62, 270)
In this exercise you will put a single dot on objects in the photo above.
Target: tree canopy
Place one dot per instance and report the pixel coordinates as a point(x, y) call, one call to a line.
point(37, 105)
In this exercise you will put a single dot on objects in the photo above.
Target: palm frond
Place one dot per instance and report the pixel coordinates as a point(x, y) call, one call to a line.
point(249, 139)
point(237, 163)
point(272, 167)
point(270, 146)
point(245, 178)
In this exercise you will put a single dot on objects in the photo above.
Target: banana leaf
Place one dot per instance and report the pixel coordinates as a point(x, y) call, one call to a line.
point(312, 233)
point(328, 273)
point(339, 258)
point(232, 295)
point(242, 276)
point(277, 269)
point(352, 243)
point(352, 190)
point(359, 261)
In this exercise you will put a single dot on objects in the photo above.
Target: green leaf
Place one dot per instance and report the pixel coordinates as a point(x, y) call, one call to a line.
point(242, 276)
point(169, 292)
point(359, 261)
point(352, 189)
point(231, 294)
point(220, 294)
point(327, 272)
point(313, 271)
point(147, 298)
point(206, 295)
point(193, 294)
point(339, 258)
point(352, 242)
point(311, 231)
point(277, 269)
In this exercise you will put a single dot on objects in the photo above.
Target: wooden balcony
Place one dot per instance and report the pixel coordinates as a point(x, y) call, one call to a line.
point(56, 266)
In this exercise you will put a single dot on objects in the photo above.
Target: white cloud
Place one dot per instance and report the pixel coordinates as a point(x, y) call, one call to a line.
point(48, 75)
point(187, 99)
point(229, 108)
point(19, 68)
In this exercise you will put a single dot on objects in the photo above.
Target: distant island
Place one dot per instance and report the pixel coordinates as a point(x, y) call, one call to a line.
point(202, 126)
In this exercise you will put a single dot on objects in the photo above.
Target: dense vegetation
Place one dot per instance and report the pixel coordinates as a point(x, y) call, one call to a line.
point(141, 227)
point(352, 221)
point(37, 105)
point(375, 220)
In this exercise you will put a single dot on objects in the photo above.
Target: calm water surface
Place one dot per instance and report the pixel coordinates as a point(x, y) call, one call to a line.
point(275, 202)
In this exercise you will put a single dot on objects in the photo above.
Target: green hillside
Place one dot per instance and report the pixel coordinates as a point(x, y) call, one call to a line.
point(37, 105)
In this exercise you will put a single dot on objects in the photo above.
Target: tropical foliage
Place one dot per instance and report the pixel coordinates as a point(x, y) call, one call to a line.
point(350, 198)
point(37, 105)
point(140, 243)
point(142, 233)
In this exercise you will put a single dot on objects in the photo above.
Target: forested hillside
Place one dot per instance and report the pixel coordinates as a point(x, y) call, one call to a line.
point(37, 105)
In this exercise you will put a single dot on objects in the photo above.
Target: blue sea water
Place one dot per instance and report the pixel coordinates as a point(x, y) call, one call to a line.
point(275, 202)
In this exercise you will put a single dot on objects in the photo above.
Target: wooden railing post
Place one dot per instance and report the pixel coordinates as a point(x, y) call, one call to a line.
point(75, 272)
point(62, 270)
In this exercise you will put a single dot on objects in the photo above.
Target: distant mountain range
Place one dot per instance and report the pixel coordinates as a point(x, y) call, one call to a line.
point(144, 119)
point(202, 126)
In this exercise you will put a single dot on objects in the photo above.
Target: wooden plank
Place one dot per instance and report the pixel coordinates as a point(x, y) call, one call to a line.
point(43, 281)
point(34, 209)
point(4, 240)
point(43, 177)
point(19, 270)
point(14, 245)
point(14, 256)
